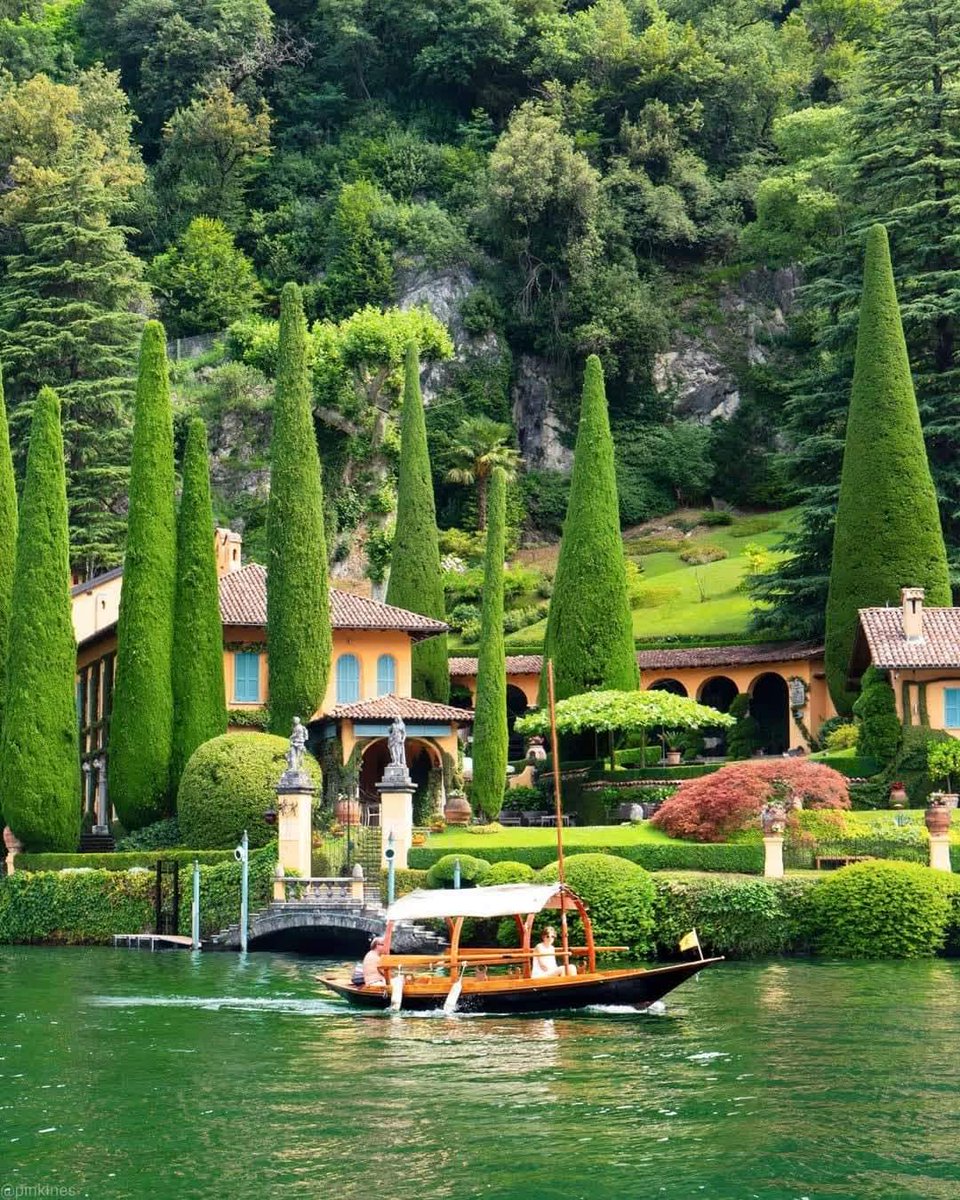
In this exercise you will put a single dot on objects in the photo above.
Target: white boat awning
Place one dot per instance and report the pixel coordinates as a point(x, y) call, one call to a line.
point(501, 901)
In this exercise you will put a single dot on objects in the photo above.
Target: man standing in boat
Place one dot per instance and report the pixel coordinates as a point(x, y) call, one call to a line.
point(545, 960)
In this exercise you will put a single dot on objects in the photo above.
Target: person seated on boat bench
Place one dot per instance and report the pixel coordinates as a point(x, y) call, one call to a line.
point(372, 976)
point(545, 960)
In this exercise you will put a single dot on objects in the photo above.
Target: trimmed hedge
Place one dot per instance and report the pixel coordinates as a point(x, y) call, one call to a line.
point(619, 898)
point(220, 891)
point(884, 910)
point(118, 861)
point(506, 872)
point(228, 784)
point(403, 882)
point(669, 774)
point(440, 874)
point(746, 858)
point(854, 766)
point(639, 756)
point(740, 918)
point(75, 909)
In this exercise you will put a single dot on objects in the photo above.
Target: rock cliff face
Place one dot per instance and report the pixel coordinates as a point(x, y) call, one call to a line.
point(701, 370)
point(539, 430)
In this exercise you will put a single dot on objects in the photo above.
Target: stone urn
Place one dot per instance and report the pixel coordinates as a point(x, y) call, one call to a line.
point(898, 796)
point(673, 758)
point(937, 817)
point(457, 810)
point(773, 818)
point(347, 811)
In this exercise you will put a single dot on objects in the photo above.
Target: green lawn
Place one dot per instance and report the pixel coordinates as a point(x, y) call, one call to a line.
point(576, 835)
point(671, 602)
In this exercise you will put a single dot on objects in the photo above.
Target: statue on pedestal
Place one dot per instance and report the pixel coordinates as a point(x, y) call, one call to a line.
point(396, 741)
point(298, 744)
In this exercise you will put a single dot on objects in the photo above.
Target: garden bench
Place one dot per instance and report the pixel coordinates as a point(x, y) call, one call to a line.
point(509, 818)
point(831, 862)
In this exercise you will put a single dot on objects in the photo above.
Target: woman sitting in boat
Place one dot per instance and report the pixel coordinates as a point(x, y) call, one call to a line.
point(545, 960)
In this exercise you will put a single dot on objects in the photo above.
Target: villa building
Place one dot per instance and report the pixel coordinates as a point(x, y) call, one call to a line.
point(369, 684)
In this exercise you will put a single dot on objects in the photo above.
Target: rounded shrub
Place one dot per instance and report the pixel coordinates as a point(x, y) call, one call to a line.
point(619, 896)
point(882, 909)
point(506, 872)
point(472, 869)
point(227, 786)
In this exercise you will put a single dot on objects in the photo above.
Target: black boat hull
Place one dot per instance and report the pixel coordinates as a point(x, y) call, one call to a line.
point(637, 989)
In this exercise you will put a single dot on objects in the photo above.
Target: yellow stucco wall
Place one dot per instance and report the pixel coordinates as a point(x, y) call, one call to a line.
point(935, 684)
point(95, 608)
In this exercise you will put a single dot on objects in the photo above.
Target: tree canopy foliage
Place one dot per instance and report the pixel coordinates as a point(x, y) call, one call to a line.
point(625, 712)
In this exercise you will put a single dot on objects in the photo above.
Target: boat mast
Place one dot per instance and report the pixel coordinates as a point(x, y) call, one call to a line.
point(565, 940)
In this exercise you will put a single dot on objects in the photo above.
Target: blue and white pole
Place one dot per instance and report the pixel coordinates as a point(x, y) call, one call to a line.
point(242, 854)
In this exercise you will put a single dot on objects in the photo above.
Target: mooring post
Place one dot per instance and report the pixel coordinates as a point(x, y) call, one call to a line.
point(242, 853)
point(456, 872)
point(390, 855)
point(195, 907)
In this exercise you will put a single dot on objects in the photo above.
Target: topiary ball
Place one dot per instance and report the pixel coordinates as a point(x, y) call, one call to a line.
point(506, 872)
point(882, 909)
point(227, 786)
point(619, 897)
point(440, 874)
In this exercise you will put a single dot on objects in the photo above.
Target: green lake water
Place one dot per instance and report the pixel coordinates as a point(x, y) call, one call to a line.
point(129, 1074)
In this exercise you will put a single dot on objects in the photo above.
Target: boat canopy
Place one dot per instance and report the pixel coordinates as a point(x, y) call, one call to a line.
point(503, 900)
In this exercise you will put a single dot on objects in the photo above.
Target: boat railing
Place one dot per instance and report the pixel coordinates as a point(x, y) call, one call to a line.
point(334, 891)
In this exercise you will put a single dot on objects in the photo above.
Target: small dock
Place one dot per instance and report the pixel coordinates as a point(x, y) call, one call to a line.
point(151, 941)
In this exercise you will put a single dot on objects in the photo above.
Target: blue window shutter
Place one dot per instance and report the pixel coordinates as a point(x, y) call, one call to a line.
point(386, 675)
point(348, 679)
point(951, 706)
point(246, 677)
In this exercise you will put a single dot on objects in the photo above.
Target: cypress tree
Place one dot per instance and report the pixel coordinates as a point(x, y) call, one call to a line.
point(490, 718)
point(415, 580)
point(589, 627)
point(39, 749)
point(298, 593)
point(8, 539)
point(141, 728)
point(199, 708)
point(888, 528)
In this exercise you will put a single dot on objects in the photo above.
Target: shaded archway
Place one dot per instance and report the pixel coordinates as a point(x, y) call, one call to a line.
point(516, 707)
point(719, 692)
point(422, 757)
point(673, 686)
point(770, 707)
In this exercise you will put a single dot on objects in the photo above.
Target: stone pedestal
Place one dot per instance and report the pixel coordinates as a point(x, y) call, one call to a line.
point(12, 846)
point(356, 883)
point(295, 795)
point(773, 855)
point(940, 851)
point(396, 814)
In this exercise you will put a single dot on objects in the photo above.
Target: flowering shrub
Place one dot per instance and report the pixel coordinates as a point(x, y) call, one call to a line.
point(843, 737)
point(713, 807)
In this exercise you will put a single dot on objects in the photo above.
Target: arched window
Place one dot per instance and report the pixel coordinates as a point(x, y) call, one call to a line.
point(348, 679)
point(386, 675)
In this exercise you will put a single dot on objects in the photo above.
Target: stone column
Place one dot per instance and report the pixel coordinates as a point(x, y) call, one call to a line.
point(773, 855)
point(940, 851)
point(295, 795)
point(396, 813)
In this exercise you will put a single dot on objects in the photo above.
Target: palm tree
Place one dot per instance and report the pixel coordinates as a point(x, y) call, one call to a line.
point(480, 447)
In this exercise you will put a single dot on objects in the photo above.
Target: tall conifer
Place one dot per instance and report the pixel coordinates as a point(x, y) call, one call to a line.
point(415, 580)
point(589, 627)
point(199, 708)
point(888, 532)
point(8, 541)
point(141, 728)
point(39, 748)
point(490, 735)
point(298, 593)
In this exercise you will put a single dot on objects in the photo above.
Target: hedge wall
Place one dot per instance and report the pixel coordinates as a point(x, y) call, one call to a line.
point(854, 766)
point(655, 856)
point(119, 861)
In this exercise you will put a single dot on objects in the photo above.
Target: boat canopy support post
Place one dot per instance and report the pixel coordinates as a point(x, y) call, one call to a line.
point(564, 932)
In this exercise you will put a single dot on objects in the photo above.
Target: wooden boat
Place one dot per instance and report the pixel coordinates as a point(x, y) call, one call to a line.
point(464, 979)
point(461, 979)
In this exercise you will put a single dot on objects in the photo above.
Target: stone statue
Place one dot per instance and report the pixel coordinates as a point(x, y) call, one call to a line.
point(395, 743)
point(298, 744)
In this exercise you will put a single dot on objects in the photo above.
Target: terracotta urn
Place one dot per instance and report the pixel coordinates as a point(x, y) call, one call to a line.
point(673, 758)
point(347, 811)
point(937, 817)
point(898, 796)
point(457, 810)
point(11, 841)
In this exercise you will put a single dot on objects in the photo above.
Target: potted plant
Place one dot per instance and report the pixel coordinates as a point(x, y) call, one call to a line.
point(672, 746)
point(943, 761)
point(898, 795)
point(937, 816)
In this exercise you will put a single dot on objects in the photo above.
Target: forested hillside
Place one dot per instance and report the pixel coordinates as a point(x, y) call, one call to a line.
point(679, 186)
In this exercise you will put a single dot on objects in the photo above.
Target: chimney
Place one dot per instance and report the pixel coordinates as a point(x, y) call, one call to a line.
point(228, 547)
point(912, 600)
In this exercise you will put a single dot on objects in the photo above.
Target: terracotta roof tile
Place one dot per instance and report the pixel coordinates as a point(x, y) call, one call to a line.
point(660, 660)
point(889, 648)
point(243, 601)
point(385, 708)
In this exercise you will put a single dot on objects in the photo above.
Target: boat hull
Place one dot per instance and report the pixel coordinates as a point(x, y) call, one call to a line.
point(635, 988)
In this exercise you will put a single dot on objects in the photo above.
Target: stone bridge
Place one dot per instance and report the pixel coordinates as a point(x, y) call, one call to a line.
point(325, 927)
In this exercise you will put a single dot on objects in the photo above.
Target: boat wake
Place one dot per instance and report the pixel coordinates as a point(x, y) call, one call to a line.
point(280, 1004)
